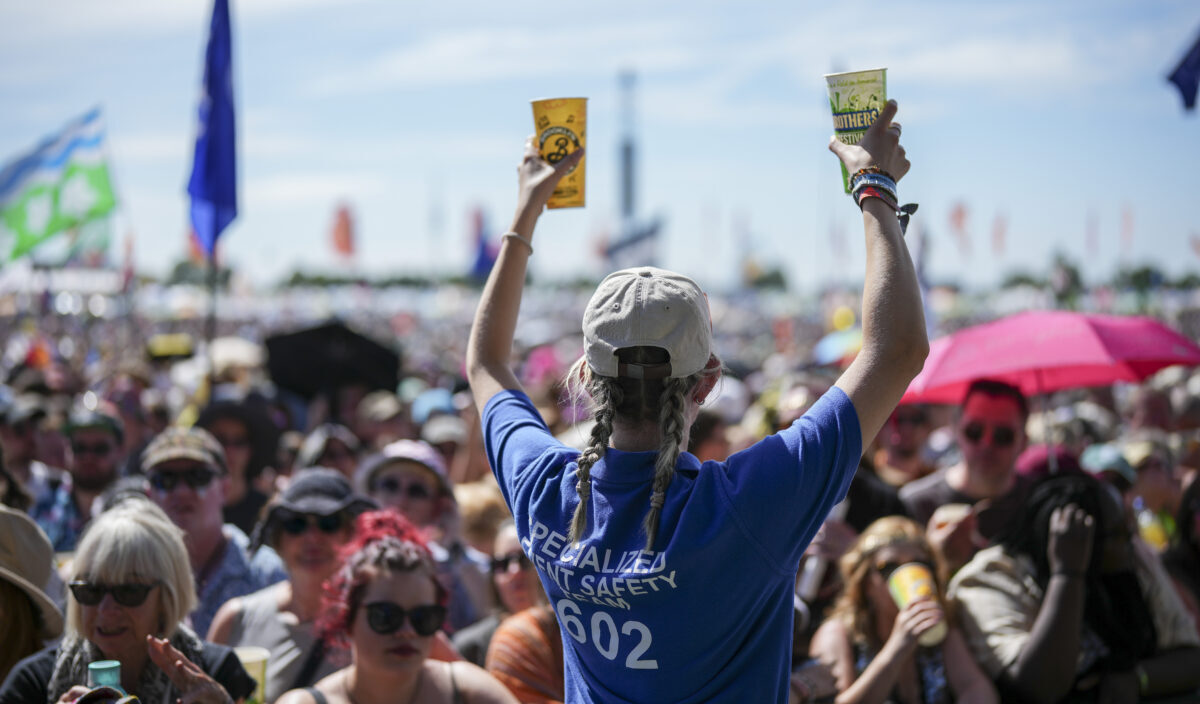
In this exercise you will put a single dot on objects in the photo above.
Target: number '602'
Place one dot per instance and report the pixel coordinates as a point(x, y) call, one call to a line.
point(604, 634)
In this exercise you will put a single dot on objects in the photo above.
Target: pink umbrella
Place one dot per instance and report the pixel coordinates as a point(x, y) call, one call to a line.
point(1043, 351)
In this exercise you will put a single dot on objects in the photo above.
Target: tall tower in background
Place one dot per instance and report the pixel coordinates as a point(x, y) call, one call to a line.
point(627, 81)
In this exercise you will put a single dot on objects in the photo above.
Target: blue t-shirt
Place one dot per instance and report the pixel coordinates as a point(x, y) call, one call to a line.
point(707, 615)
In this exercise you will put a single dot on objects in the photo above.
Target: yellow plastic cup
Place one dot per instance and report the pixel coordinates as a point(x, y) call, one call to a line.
point(855, 98)
point(912, 581)
point(254, 659)
point(561, 128)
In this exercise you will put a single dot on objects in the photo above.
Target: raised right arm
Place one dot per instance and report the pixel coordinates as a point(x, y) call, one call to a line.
point(893, 321)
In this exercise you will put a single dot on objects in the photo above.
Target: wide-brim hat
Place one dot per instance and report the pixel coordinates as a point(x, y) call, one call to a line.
point(647, 307)
point(316, 490)
point(26, 560)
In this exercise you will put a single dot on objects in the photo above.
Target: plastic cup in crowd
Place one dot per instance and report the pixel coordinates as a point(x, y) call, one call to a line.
point(912, 581)
point(855, 98)
point(254, 659)
point(561, 128)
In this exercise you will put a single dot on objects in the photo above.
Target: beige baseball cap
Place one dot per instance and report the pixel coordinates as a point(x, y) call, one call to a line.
point(647, 307)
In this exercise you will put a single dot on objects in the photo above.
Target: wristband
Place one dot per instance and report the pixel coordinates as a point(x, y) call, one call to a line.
point(522, 240)
point(877, 180)
point(866, 192)
point(1143, 680)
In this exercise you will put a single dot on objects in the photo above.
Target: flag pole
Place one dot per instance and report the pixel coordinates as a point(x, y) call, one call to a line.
point(210, 325)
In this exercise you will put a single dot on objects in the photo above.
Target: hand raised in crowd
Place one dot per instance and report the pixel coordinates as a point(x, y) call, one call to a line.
point(1070, 547)
point(912, 622)
point(880, 146)
point(537, 179)
point(195, 685)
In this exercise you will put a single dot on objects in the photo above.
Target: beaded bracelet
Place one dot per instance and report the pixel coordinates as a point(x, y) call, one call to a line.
point(522, 240)
point(872, 169)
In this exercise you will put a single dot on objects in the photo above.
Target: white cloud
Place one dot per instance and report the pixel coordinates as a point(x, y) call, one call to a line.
point(473, 56)
point(304, 187)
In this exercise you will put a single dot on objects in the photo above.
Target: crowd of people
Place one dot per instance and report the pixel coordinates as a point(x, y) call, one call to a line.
point(707, 534)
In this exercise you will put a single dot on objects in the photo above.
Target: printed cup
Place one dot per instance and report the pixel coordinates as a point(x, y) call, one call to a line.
point(913, 581)
point(855, 98)
point(561, 128)
point(104, 673)
point(254, 659)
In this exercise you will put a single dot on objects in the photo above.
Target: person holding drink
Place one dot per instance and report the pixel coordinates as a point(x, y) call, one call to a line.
point(888, 638)
point(636, 542)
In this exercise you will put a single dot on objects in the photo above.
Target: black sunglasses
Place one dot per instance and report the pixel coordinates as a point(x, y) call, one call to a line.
point(91, 594)
point(1002, 435)
point(196, 478)
point(885, 569)
point(501, 565)
point(299, 523)
point(386, 617)
point(85, 448)
point(391, 485)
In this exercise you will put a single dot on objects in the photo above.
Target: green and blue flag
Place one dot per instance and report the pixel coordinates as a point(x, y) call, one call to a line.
point(61, 184)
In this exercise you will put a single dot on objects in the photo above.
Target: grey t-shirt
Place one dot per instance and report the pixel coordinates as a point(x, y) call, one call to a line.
point(923, 496)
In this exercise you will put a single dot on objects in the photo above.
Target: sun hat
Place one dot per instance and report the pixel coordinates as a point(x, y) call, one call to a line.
point(26, 560)
point(379, 406)
point(417, 451)
point(444, 428)
point(184, 444)
point(315, 490)
point(651, 307)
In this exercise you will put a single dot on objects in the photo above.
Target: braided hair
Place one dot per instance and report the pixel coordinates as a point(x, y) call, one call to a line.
point(633, 401)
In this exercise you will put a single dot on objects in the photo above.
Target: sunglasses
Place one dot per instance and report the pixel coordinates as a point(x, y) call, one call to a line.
point(91, 594)
point(298, 524)
point(885, 569)
point(385, 617)
point(1002, 435)
point(416, 490)
point(196, 478)
point(502, 565)
point(84, 448)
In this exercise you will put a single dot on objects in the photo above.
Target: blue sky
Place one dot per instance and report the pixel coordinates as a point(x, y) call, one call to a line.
point(1045, 113)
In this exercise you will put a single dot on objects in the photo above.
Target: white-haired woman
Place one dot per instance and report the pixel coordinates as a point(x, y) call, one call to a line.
point(672, 580)
point(130, 591)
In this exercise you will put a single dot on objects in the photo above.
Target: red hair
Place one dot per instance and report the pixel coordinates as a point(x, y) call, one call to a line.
point(383, 541)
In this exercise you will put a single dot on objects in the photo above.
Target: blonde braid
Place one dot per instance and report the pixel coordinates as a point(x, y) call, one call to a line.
point(606, 394)
point(671, 420)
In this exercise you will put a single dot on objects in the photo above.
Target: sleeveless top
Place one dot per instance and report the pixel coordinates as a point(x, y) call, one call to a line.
point(458, 697)
point(261, 623)
point(931, 672)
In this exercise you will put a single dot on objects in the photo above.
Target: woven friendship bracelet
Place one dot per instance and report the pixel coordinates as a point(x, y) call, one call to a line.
point(877, 180)
point(866, 192)
point(522, 240)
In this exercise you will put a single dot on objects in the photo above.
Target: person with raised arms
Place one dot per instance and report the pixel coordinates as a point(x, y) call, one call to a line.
point(672, 580)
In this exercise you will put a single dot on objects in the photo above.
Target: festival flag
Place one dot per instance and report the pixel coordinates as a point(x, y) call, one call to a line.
point(999, 233)
point(213, 183)
point(1196, 244)
point(61, 184)
point(1091, 234)
point(958, 227)
point(1127, 228)
point(343, 232)
point(1186, 76)
point(486, 251)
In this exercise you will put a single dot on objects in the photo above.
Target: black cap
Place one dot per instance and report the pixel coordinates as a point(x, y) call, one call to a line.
point(81, 418)
point(316, 490)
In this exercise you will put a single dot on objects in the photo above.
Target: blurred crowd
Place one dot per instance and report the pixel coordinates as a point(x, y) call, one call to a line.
point(155, 486)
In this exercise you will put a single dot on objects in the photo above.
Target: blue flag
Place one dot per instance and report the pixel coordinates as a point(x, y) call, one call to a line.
point(213, 185)
point(1186, 76)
